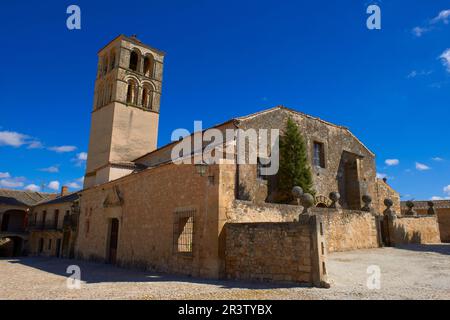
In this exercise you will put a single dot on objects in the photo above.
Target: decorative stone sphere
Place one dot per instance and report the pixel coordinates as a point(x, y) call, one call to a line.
point(307, 200)
point(334, 196)
point(297, 192)
point(366, 198)
point(409, 204)
point(388, 202)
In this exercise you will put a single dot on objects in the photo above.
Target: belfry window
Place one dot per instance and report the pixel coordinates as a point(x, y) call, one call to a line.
point(148, 66)
point(134, 60)
point(112, 60)
point(131, 92)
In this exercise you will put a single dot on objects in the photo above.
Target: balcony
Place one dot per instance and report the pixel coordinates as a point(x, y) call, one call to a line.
point(44, 227)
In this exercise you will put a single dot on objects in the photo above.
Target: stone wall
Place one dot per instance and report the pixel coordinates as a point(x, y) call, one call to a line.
point(145, 204)
point(418, 229)
point(385, 191)
point(444, 223)
point(276, 251)
point(248, 211)
point(349, 230)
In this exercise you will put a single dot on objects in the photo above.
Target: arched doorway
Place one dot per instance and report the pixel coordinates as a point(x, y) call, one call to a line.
point(11, 246)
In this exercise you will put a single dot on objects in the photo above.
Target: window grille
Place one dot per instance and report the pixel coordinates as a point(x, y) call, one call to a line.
point(183, 231)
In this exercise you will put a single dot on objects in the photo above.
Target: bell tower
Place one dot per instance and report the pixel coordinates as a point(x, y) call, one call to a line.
point(125, 115)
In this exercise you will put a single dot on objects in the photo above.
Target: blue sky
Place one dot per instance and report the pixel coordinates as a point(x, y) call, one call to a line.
point(231, 58)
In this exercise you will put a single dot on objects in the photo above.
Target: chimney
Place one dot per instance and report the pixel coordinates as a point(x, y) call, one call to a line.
point(64, 190)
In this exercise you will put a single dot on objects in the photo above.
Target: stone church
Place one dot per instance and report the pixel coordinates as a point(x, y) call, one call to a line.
point(140, 209)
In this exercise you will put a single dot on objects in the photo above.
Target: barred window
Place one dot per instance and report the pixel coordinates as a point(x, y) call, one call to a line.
point(183, 231)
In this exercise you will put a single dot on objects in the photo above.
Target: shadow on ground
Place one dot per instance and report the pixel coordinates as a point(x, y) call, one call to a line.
point(443, 248)
point(92, 272)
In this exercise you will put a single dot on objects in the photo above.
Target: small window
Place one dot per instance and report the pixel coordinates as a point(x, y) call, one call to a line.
point(183, 231)
point(319, 155)
point(41, 245)
point(49, 244)
point(260, 166)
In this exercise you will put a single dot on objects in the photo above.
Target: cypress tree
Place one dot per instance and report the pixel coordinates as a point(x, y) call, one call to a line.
point(294, 167)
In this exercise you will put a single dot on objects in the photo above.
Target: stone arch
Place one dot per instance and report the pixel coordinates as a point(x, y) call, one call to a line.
point(322, 201)
point(132, 91)
point(149, 65)
point(135, 59)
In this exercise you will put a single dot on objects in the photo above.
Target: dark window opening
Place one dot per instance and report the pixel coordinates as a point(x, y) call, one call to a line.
point(134, 60)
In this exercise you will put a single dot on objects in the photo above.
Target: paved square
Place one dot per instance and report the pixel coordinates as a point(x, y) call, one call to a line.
point(412, 272)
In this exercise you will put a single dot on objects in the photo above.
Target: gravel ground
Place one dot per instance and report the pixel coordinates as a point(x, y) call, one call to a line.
point(412, 272)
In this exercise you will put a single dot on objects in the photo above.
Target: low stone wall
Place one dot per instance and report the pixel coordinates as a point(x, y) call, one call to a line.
point(280, 251)
point(415, 229)
point(348, 229)
point(247, 211)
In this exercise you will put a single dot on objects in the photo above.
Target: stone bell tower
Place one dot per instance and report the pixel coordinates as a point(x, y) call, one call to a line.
point(124, 119)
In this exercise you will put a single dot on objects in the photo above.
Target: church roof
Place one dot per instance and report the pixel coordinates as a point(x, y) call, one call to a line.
point(23, 198)
point(71, 197)
point(236, 120)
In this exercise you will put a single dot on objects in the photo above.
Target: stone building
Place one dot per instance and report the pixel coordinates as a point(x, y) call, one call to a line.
point(14, 208)
point(52, 226)
point(441, 208)
point(139, 208)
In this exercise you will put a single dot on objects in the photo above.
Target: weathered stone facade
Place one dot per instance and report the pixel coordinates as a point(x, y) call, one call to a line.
point(276, 252)
point(442, 210)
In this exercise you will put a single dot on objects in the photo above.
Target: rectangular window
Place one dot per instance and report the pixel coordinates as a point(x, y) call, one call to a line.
point(183, 231)
point(41, 245)
point(44, 217)
point(319, 155)
point(49, 244)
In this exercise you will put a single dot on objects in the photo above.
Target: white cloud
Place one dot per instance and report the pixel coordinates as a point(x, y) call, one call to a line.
point(32, 187)
point(443, 16)
point(74, 185)
point(437, 159)
point(16, 182)
point(447, 189)
point(415, 73)
point(61, 149)
point(422, 167)
point(54, 185)
point(5, 175)
point(52, 169)
point(13, 139)
point(436, 198)
point(381, 175)
point(419, 31)
point(82, 156)
point(35, 145)
point(445, 58)
point(392, 162)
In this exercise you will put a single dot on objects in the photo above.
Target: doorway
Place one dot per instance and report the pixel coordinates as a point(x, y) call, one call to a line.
point(349, 181)
point(58, 248)
point(113, 240)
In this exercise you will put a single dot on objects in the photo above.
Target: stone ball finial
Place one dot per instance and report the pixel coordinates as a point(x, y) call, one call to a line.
point(307, 201)
point(334, 196)
point(388, 203)
point(410, 211)
point(431, 209)
point(297, 192)
point(367, 201)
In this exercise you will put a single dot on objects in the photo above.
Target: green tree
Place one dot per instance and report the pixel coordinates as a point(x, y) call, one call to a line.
point(294, 166)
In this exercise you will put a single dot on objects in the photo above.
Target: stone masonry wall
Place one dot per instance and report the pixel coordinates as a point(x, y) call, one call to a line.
point(420, 229)
point(274, 251)
point(349, 230)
